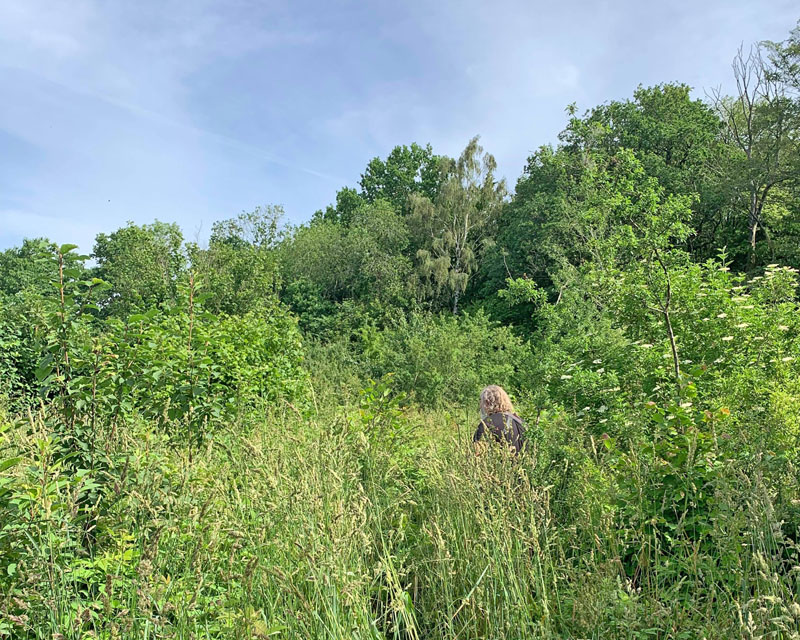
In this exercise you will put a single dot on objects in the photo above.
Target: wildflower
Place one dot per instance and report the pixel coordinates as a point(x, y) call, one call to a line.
point(722, 315)
point(601, 370)
point(728, 338)
point(566, 377)
point(787, 359)
point(783, 327)
point(598, 361)
point(771, 266)
point(647, 346)
point(742, 325)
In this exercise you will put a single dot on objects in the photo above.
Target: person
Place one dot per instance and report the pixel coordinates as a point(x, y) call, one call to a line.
point(499, 420)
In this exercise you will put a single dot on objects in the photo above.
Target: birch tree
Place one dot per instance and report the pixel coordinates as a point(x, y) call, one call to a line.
point(457, 225)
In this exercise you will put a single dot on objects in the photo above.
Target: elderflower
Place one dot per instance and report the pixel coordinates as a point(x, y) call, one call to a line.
point(728, 338)
point(722, 315)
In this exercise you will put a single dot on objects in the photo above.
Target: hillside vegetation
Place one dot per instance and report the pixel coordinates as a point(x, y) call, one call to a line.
point(269, 436)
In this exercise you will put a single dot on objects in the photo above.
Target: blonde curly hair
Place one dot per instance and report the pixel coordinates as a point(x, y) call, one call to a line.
point(494, 399)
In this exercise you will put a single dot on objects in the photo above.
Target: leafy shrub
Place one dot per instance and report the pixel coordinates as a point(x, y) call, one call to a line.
point(186, 366)
point(444, 359)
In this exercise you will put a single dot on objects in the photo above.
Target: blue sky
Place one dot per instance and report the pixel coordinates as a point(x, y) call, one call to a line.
point(192, 111)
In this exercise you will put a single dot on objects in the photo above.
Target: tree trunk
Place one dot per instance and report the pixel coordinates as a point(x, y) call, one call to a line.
point(753, 233)
point(753, 221)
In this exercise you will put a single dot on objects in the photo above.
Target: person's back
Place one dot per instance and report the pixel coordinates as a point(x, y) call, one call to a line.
point(505, 427)
point(499, 420)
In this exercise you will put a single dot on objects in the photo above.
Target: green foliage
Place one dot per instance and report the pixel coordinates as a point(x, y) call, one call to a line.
point(191, 370)
point(454, 228)
point(29, 268)
point(406, 171)
point(19, 348)
point(444, 360)
point(672, 135)
point(364, 261)
point(194, 466)
point(348, 201)
point(142, 264)
point(239, 267)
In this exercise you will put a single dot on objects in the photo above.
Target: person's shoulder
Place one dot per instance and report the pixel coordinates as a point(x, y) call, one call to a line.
point(517, 418)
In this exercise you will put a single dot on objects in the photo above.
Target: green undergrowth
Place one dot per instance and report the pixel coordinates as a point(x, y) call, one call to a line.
point(378, 521)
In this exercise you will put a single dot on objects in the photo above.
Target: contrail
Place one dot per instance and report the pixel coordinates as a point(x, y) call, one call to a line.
point(162, 119)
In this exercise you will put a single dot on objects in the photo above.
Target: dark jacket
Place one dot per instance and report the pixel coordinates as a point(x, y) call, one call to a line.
point(504, 427)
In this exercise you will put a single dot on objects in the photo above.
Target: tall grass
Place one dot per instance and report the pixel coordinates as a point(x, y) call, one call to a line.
point(372, 522)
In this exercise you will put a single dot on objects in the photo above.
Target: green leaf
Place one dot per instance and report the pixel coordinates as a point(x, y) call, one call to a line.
point(7, 464)
point(43, 371)
point(66, 248)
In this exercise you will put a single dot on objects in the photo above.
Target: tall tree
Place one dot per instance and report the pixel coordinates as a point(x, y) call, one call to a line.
point(785, 59)
point(30, 267)
point(364, 261)
point(676, 139)
point(142, 263)
point(457, 224)
point(762, 123)
point(239, 266)
point(406, 171)
point(348, 202)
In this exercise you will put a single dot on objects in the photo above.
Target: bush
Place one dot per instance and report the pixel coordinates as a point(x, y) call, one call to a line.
point(444, 359)
point(185, 366)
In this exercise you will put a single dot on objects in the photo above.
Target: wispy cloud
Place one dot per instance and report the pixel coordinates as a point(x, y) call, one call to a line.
point(191, 110)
